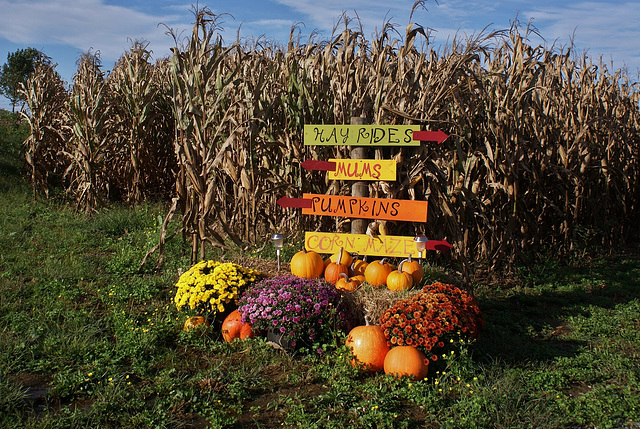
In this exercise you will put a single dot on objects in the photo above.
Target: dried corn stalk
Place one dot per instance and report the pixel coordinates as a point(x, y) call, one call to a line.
point(45, 97)
point(543, 150)
point(88, 116)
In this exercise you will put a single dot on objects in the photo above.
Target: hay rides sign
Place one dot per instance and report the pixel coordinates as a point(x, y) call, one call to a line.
point(361, 207)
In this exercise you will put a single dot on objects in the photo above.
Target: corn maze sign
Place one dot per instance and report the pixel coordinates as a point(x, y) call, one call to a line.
point(361, 207)
point(363, 244)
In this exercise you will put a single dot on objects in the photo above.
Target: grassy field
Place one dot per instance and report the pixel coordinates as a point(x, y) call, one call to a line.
point(88, 341)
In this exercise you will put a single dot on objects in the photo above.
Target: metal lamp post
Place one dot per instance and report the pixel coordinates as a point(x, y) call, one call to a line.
point(421, 243)
point(278, 243)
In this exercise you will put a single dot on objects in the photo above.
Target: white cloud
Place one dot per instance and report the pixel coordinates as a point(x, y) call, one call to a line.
point(83, 24)
point(607, 29)
point(325, 15)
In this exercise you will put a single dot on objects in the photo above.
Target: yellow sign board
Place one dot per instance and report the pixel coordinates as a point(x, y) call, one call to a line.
point(360, 135)
point(363, 169)
point(383, 245)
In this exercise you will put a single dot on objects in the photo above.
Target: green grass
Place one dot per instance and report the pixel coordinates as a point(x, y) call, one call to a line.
point(88, 341)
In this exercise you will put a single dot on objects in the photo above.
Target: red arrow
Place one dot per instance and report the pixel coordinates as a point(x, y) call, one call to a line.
point(440, 245)
point(430, 136)
point(295, 202)
point(311, 164)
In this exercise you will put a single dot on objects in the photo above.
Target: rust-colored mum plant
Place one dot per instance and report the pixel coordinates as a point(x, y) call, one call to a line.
point(440, 316)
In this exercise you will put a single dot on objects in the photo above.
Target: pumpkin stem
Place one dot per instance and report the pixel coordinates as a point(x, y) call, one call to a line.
point(409, 258)
point(344, 275)
point(339, 259)
point(366, 320)
point(383, 261)
point(402, 262)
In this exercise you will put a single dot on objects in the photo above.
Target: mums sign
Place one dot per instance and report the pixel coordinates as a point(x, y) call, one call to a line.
point(363, 169)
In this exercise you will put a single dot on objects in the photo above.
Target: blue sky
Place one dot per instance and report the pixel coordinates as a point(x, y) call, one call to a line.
point(64, 29)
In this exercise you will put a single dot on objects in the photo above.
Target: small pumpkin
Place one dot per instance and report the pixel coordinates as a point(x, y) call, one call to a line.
point(399, 280)
point(377, 271)
point(195, 321)
point(327, 262)
point(307, 264)
point(333, 270)
point(369, 346)
point(406, 360)
point(232, 327)
point(342, 257)
point(349, 283)
point(358, 266)
point(414, 268)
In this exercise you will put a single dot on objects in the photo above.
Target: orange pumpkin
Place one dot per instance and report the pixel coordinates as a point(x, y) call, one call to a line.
point(327, 262)
point(414, 268)
point(377, 271)
point(307, 264)
point(193, 322)
point(406, 360)
point(399, 280)
point(359, 277)
point(369, 346)
point(342, 257)
point(333, 270)
point(358, 266)
point(349, 283)
point(232, 327)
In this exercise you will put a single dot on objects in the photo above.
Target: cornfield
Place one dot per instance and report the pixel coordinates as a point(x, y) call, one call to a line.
point(543, 147)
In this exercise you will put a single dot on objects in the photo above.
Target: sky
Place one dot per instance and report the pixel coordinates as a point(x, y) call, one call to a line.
point(65, 29)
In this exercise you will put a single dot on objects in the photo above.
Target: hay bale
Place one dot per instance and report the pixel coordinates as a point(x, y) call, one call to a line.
point(368, 303)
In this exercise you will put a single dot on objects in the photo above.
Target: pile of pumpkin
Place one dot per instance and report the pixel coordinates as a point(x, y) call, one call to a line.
point(348, 273)
point(367, 343)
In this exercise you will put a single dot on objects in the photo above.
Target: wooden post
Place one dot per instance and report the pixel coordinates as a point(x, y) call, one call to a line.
point(361, 188)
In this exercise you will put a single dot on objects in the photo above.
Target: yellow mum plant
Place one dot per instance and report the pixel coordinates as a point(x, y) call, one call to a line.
point(209, 286)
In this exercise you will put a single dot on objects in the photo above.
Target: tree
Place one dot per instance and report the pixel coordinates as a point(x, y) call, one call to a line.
point(20, 64)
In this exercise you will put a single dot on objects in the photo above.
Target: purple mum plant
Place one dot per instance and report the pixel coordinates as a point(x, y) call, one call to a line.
point(303, 311)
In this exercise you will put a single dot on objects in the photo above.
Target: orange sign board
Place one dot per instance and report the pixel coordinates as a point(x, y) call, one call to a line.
point(360, 135)
point(383, 245)
point(367, 208)
point(363, 169)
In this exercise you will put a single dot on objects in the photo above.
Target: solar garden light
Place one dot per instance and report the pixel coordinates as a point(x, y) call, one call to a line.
point(421, 243)
point(278, 242)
